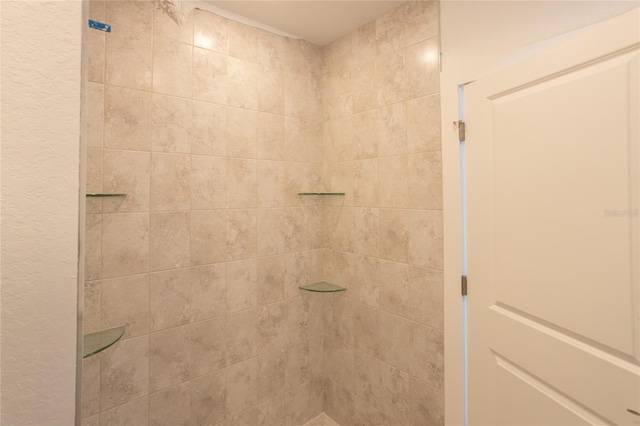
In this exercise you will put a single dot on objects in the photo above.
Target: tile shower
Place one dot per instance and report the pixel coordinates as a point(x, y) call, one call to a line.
point(212, 129)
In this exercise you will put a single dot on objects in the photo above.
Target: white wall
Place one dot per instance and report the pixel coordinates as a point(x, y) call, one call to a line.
point(40, 99)
point(479, 37)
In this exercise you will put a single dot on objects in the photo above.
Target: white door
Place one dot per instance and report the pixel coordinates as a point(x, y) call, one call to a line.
point(553, 234)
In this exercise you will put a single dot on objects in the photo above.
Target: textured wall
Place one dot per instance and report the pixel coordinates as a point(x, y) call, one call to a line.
point(383, 345)
point(41, 58)
point(211, 129)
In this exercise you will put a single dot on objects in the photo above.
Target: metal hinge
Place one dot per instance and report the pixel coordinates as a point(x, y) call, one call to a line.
point(464, 285)
point(462, 130)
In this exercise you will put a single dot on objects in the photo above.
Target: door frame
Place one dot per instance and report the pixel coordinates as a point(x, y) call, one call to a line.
point(456, 73)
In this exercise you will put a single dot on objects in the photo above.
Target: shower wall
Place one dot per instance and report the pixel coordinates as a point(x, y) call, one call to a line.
point(211, 129)
point(383, 343)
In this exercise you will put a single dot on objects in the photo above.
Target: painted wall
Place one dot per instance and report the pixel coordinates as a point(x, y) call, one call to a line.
point(41, 65)
point(477, 38)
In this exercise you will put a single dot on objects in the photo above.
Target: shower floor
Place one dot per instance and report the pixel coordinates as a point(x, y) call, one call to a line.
point(321, 420)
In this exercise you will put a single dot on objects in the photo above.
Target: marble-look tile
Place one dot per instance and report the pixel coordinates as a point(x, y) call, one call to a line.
point(243, 41)
point(296, 140)
point(208, 182)
point(242, 78)
point(241, 234)
point(126, 172)
point(339, 403)
point(125, 302)
point(366, 134)
point(393, 189)
point(95, 115)
point(125, 244)
point(241, 131)
point(169, 240)
point(170, 407)
point(426, 238)
point(423, 68)
point(366, 414)
point(210, 31)
point(172, 61)
point(427, 404)
point(170, 124)
point(241, 331)
point(339, 140)
point(209, 76)
point(133, 413)
point(127, 119)
point(93, 247)
point(270, 136)
point(170, 293)
point(339, 363)
point(91, 421)
point(296, 230)
point(365, 182)
point(92, 306)
point(246, 418)
point(394, 234)
point(272, 412)
point(271, 327)
point(425, 181)
point(338, 318)
point(421, 21)
point(242, 386)
point(241, 284)
point(270, 282)
point(365, 283)
point(392, 130)
point(170, 181)
point(271, 238)
point(97, 9)
point(364, 43)
point(208, 399)
point(270, 185)
point(338, 96)
point(208, 236)
point(365, 95)
point(271, 50)
point(296, 320)
point(271, 374)
point(366, 231)
point(391, 82)
point(297, 178)
point(241, 183)
point(271, 90)
point(124, 372)
point(296, 95)
point(297, 369)
point(90, 386)
point(341, 221)
point(207, 347)
point(427, 355)
point(129, 54)
point(169, 353)
point(165, 26)
point(316, 396)
point(390, 31)
point(208, 291)
point(208, 128)
point(96, 45)
point(423, 124)
point(323, 420)
point(297, 405)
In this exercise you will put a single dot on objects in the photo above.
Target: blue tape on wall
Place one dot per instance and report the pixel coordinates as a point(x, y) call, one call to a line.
point(99, 26)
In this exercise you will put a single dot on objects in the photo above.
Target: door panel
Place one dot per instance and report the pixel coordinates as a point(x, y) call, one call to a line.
point(554, 293)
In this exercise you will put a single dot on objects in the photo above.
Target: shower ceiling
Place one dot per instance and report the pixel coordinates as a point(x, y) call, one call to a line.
point(319, 22)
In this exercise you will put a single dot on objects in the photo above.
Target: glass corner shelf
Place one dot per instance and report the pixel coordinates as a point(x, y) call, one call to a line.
point(106, 195)
point(322, 287)
point(321, 193)
point(100, 340)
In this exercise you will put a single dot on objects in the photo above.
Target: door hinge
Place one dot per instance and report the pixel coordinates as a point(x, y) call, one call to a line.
point(464, 285)
point(462, 130)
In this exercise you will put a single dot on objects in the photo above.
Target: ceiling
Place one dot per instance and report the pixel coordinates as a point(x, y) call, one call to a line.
point(319, 22)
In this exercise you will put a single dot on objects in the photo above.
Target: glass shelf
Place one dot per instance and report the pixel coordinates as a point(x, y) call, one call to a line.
point(321, 193)
point(100, 340)
point(322, 287)
point(106, 195)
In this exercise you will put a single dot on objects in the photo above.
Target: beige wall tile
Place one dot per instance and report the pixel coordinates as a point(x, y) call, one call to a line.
point(271, 370)
point(241, 131)
point(339, 363)
point(93, 247)
point(207, 347)
point(297, 178)
point(208, 398)
point(393, 190)
point(208, 236)
point(126, 172)
point(95, 114)
point(296, 320)
point(272, 412)
point(339, 403)
point(124, 372)
point(390, 31)
point(426, 238)
point(209, 76)
point(241, 183)
point(366, 231)
point(270, 137)
point(169, 242)
point(365, 183)
point(241, 331)
point(125, 244)
point(296, 229)
point(96, 45)
point(271, 327)
point(128, 50)
point(423, 124)
point(241, 285)
point(366, 134)
point(243, 41)
point(365, 95)
point(427, 404)
point(129, 13)
point(125, 302)
point(133, 413)
point(271, 238)
point(392, 129)
point(391, 82)
point(423, 68)
point(421, 21)
point(427, 355)
point(208, 128)
point(127, 122)
point(90, 386)
point(208, 291)
point(241, 234)
point(271, 89)
point(246, 418)
point(91, 421)
point(92, 306)
point(169, 353)
point(170, 293)
point(297, 405)
point(171, 407)
point(165, 26)
point(364, 43)
point(425, 181)
point(296, 364)
point(170, 181)
point(296, 139)
point(338, 319)
point(208, 182)
point(271, 50)
point(172, 62)
point(270, 185)
point(242, 76)
point(394, 234)
point(170, 124)
point(210, 31)
point(365, 285)
point(242, 386)
point(296, 96)
point(270, 282)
